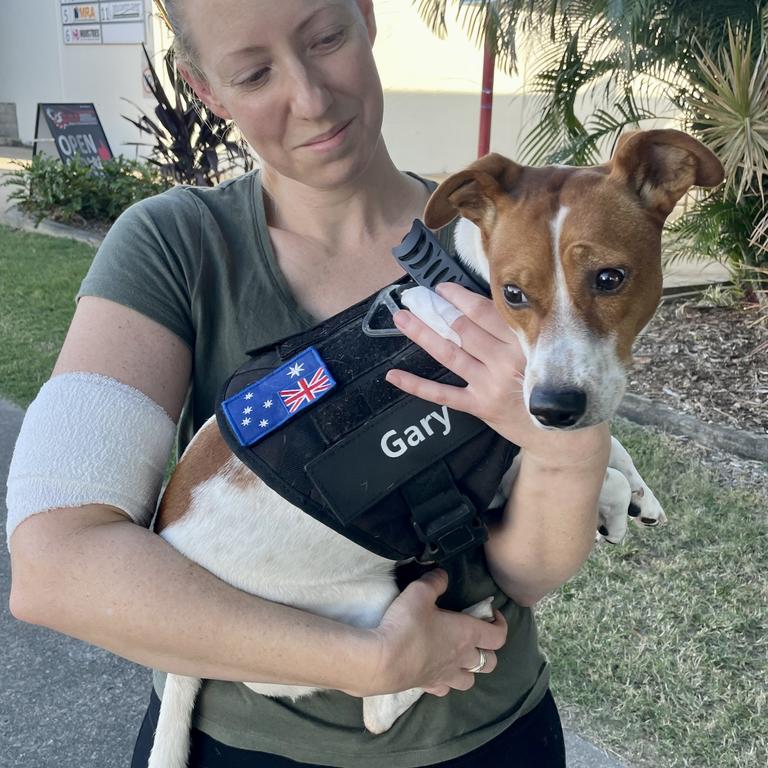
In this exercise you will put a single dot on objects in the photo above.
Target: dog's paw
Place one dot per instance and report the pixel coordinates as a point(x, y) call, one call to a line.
point(615, 497)
point(380, 712)
point(645, 508)
point(481, 610)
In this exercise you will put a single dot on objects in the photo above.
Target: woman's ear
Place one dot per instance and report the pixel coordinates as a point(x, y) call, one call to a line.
point(204, 92)
point(366, 9)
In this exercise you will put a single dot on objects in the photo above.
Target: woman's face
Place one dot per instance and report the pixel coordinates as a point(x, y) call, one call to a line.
point(297, 76)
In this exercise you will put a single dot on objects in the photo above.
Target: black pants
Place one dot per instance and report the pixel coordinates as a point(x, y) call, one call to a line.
point(533, 741)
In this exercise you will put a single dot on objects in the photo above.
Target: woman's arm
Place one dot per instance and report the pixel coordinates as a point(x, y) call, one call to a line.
point(549, 523)
point(91, 573)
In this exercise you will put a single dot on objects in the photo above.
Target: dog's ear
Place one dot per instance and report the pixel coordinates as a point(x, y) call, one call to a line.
point(472, 192)
point(662, 165)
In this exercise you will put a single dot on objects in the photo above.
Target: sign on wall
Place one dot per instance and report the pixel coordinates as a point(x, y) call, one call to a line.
point(105, 22)
point(74, 130)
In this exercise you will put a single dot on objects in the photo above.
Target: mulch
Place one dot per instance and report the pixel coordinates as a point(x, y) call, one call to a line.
point(710, 362)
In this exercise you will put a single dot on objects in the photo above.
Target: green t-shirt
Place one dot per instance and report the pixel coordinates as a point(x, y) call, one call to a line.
point(199, 261)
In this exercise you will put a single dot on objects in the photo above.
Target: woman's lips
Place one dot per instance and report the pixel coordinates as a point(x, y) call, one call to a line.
point(329, 139)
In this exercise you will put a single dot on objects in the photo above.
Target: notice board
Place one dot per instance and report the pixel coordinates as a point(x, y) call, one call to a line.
point(70, 130)
point(102, 22)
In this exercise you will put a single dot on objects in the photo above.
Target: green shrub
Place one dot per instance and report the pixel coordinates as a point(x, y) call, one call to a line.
point(76, 193)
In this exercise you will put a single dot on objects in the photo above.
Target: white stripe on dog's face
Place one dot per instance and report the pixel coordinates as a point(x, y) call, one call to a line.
point(567, 353)
point(469, 247)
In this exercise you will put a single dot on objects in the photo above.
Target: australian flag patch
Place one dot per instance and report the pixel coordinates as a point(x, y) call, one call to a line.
point(268, 403)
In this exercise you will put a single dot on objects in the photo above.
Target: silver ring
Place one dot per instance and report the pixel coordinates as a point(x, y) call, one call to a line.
point(480, 664)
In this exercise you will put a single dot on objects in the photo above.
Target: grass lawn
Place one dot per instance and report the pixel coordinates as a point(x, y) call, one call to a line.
point(659, 647)
point(39, 277)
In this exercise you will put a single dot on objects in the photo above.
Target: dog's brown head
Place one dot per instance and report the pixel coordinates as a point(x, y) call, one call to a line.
point(574, 257)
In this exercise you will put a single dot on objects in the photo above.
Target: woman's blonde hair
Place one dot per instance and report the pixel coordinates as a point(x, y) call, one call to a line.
point(183, 48)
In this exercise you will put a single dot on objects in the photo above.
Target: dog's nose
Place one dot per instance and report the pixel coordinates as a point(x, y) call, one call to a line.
point(558, 408)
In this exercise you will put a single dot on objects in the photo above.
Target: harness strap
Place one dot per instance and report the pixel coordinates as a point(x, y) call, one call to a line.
point(444, 519)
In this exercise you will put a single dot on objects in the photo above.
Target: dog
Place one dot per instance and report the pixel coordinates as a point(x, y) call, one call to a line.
point(573, 258)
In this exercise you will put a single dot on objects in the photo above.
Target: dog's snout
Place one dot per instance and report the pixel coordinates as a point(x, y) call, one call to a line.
point(557, 407)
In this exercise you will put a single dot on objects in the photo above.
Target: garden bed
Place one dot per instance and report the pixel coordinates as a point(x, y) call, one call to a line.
point(706, 361)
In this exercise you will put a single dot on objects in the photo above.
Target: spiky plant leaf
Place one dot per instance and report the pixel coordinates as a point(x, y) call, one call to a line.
point(731, 109)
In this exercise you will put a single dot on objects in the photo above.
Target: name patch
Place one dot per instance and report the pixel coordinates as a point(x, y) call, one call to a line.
point(386, 452)
point(395, 444)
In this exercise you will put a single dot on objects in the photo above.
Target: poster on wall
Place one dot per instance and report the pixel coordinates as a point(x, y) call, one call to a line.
point(102, 23)
point(71, 130)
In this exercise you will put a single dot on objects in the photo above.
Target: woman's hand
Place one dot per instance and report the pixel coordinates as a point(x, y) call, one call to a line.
point(423, 646)
point(492, 363)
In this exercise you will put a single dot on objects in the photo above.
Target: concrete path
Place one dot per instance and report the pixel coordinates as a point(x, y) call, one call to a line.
point(64, 704)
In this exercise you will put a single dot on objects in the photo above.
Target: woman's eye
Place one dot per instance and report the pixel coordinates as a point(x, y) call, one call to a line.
point(257, 78)
point(608, 280)
point(330, 41)
point(515, 297)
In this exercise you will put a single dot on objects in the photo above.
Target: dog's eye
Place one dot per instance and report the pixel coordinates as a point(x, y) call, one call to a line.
point(609, 279)
point(515, 297)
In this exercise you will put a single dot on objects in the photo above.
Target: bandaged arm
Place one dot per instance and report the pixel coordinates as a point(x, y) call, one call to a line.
point(89, 439)
point(90, 444)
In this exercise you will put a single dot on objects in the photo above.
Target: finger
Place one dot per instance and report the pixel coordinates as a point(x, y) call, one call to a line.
point(453, 357)
point(457, 398)
point(490, 661)
point(429, 587)
point(479, 308)
point(492, 636)
point(436, 579)
point(463, 681)
point(487, 347)
point(439, 690)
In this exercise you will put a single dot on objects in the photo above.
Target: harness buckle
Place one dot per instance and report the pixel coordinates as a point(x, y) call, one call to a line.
point(389, 298)
point(451, 533)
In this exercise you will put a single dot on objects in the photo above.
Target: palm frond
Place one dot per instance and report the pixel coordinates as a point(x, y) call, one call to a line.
point(163, 14)
point(731, 109)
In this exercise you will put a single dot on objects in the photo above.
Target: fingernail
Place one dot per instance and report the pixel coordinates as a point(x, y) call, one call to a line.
point(401, 318)
point(391, 378)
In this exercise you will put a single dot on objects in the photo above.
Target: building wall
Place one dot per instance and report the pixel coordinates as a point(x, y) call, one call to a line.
point(38, 67)
point(432, 93)
point(432, 86)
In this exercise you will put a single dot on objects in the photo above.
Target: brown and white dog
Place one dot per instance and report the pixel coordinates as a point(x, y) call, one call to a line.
point(573, 257)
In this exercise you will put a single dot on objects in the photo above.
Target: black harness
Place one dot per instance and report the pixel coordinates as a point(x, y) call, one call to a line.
point(400, 476)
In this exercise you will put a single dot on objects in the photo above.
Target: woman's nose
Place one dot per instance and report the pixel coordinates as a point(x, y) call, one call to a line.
point(311, 96)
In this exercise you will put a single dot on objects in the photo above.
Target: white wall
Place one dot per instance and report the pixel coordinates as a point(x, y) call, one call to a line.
point(36, 66)
point(432, 93)
point(432, 86)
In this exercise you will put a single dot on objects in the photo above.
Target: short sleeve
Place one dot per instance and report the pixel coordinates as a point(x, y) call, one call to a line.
point(147, 261)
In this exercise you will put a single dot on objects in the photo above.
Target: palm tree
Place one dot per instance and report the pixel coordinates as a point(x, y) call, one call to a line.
point(707, 59)
point(615, 47)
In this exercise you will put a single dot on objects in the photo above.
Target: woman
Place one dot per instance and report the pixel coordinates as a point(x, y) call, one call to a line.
point(182, 286)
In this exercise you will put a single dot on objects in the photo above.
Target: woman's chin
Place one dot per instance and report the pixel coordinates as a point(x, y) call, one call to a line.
point(332, 173)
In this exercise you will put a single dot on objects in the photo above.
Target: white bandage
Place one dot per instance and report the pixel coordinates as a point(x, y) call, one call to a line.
point(89, 439)
point(434, 310)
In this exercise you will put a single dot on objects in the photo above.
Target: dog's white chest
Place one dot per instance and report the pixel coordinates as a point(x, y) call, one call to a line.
point(248, 535)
